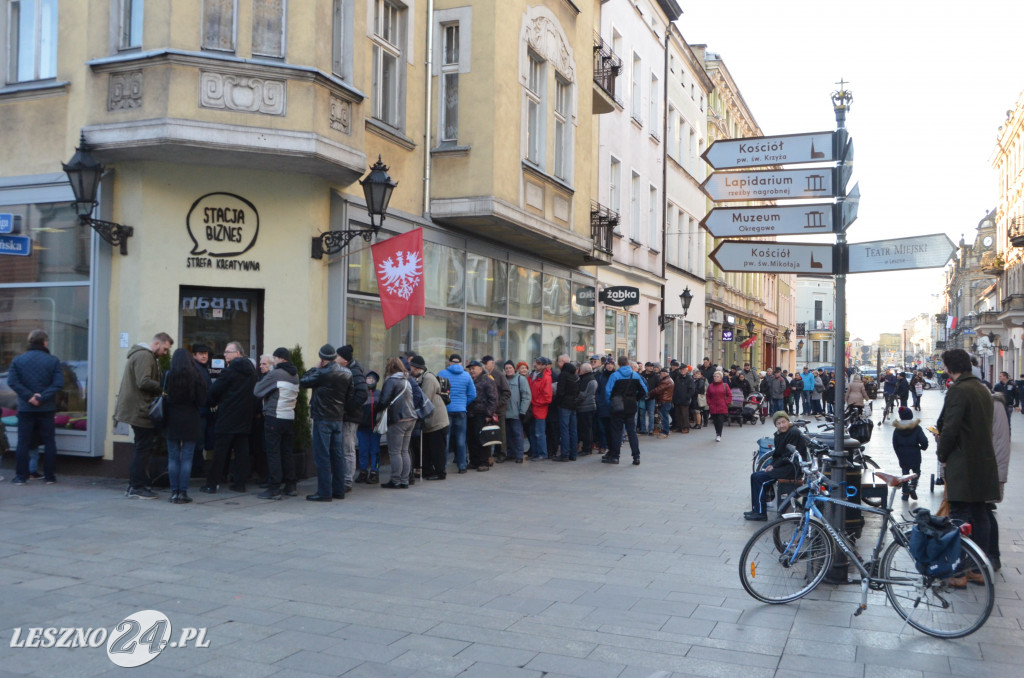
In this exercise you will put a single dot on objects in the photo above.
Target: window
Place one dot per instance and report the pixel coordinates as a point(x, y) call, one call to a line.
point(652, 220)
point(653, 108)
point(32, 40)
point(387, 55)
point(131, 23)
point(614, 177)
point(817, 311)
point(219, 25)
point(681, 140)
point(342, 38)
point(563, 133)
point(535, 112)
point(268, 19)
point(637, 91)
point(634, 208)
point(693, 151)
point(450, 83)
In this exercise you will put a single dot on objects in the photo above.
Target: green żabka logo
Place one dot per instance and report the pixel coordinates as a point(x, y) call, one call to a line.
point(137, 640)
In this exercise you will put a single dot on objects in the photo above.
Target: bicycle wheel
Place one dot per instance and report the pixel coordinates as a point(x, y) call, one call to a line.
point(783, 561)
point(944, 608)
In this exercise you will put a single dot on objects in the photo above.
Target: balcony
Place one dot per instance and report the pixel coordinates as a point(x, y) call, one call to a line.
point(993, 265)
point(602, 226)
point(987, 321)
point(1015, 231)
point(607, 66)
point(1013, 310)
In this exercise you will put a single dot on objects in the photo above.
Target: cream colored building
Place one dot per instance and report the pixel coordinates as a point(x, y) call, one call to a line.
point(234, 134)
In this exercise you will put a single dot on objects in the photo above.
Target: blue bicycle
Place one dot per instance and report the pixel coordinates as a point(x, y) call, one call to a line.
point(786, 559)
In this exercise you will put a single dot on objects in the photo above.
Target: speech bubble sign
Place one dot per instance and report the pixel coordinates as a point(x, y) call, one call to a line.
point(222, 225)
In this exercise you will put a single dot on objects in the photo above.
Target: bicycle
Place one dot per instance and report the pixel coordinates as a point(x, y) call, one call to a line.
point(786, 559)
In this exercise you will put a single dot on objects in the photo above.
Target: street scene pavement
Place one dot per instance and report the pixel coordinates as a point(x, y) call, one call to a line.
point(541, 569)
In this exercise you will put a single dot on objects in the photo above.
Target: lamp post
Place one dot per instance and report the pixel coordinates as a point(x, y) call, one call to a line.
point(377, 189)
point(750, 336)
point(686, 298)
point(84, 172)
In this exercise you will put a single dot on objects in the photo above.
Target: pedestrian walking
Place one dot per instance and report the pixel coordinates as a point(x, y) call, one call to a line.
point(719, 396)
point(908, 441)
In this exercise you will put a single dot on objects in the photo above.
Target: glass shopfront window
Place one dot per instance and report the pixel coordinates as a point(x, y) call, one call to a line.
point(361, 277)
point(48, 290)
point(485, 335)
point(670, 342)
point(486, 284)
point(524, 341)
point(366, 333)
point(583, 305)
point(446, 276)
point(582, 344)
point(525, 293)
point(556, 341)
point(609, 331)
point(556, 299)
point(436, 336)
point(631, 338)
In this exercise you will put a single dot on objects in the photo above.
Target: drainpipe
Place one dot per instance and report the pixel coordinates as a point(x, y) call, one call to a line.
point(427, 123)
point(664, 174)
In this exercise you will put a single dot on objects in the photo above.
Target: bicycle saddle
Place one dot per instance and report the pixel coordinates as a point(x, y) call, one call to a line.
point(894, 480)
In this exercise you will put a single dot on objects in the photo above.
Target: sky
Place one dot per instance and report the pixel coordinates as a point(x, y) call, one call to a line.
point(931, 83)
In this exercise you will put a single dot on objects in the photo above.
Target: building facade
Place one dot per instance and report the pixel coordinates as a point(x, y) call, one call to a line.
point(815, 321)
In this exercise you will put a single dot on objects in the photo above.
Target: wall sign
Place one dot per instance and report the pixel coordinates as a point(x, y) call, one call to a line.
point(222, 225)
point(585, 297)
point(727, 335)
point(620, 296)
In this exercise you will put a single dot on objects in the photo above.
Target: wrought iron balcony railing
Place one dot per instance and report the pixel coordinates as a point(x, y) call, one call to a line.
point(607, 66)
point(1015, 231)
point(603, 221)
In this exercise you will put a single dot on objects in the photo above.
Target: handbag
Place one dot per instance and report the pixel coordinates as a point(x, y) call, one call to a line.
point(490, 435)
point(382, 425)
point(156, 412)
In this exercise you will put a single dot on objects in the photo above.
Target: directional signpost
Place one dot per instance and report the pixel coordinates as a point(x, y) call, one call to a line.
point(747, 222)
point(787, 149)
point(773, 257)
point(925, 251)
point(771, 185)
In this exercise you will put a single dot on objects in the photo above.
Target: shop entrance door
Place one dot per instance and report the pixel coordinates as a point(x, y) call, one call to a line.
point(217, 315)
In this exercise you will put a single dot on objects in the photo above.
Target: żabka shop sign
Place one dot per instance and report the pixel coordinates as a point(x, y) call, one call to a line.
point(620, 296)
point(222, 225)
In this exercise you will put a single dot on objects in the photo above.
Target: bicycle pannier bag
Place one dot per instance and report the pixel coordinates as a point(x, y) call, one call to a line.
point(934, 544)
point(861, 429)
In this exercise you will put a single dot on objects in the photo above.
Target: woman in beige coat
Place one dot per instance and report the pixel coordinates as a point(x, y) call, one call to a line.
point(856, 395)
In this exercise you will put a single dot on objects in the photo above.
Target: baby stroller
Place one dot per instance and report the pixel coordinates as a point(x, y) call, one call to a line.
point(755, 407)
point(736, 407)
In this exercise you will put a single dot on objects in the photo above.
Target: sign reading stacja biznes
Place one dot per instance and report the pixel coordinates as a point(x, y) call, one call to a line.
point(15, 245)
point(222, 226)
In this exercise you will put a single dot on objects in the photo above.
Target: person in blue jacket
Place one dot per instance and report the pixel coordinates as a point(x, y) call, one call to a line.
point(807, 377)
point(463, 392)
point(36, 377)
point(624, 388)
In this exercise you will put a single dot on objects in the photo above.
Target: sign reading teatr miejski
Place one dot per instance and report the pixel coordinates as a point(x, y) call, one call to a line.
point(222, 225)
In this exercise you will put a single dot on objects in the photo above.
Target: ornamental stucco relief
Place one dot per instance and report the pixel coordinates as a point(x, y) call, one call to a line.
point(241, 93)
point(124, 91)
point(341, 115)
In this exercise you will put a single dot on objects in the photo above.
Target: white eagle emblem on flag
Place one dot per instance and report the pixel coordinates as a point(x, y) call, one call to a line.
point(401, 278)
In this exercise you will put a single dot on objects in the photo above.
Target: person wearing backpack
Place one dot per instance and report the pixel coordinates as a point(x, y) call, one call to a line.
point(908, 441)
point(435, 427)
point(567, 394)
point(461, 392)
point(623, 390)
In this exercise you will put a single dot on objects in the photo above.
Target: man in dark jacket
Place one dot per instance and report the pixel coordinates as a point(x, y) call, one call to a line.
point(232, 394)
point(279, 389)
point(681, 398)
point(504, 395)
point(140, 384)
point(36, 377)
point(201, 355)
point(602, 418)
point(781, 466)
point(480, 412)
point(353, 411)
point(965, 447)
point(566, 399)
point(624, 387)
point(332, 389)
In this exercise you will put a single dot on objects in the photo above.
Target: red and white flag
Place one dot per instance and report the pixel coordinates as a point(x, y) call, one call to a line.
point(398, 262)
point(951, 322)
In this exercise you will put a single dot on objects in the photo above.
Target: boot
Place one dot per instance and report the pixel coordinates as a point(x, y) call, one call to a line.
point(373, 478)
point(361, 478)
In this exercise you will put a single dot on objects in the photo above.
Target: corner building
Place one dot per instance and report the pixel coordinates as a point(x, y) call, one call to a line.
point(234, 133)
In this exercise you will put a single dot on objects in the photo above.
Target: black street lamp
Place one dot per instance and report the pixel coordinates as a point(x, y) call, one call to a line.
point(377, 189)
point(84, 172)
point(686, 298)
point(750, 334)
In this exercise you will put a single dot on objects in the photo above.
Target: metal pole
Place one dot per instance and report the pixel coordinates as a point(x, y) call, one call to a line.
point(839, 572)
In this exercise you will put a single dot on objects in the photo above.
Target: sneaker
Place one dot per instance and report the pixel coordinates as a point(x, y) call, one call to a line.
point(174, 497)
point(363, 475)
point(35, 475)
point(913, 494)
point(940, 481)
point(51, 481)
point(372, 478)
point(140, 493)
point(636, 461)
point(270, 493)
point(752, 515)
point(289, 490)
point(183, 498)
point(662, 436)
point(609, 460)
point(718, 439)
point(18, 480)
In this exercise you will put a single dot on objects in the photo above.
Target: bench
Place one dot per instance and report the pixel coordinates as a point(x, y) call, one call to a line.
point(783, 488)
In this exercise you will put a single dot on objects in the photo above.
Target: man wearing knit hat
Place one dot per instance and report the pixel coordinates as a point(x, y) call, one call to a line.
point(353, 412)
point(332, 388)
point(279, 391)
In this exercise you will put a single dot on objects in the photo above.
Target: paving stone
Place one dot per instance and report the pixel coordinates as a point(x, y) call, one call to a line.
point(586, 668)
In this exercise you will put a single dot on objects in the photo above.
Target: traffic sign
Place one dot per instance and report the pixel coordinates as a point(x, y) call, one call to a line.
point(15, 245)
point(752, 256)
point(925, 251)
point(746, 222)
point(770, 185)
point(6, 223)
point(848, 207)
point(785, 149)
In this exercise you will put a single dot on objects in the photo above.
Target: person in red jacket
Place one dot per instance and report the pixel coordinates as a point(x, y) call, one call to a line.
point(540, 390)
point(719, 396)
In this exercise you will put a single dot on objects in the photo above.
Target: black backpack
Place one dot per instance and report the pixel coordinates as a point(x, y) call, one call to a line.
point(445, 389)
